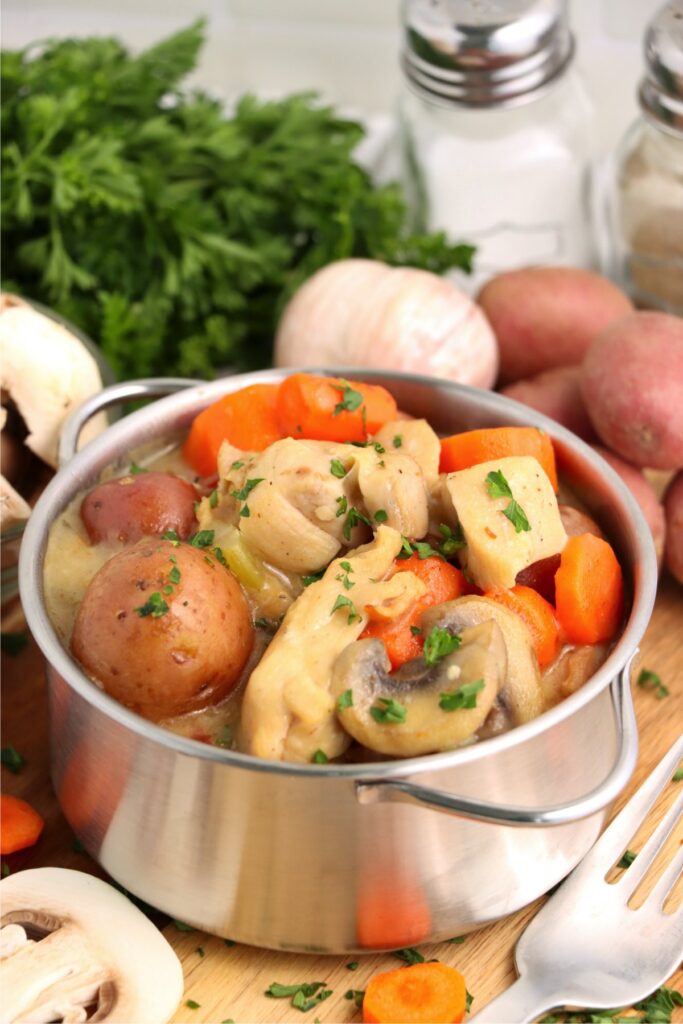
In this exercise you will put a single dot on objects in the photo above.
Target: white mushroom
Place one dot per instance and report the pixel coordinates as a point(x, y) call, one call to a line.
point(417, 439)
point(46, 372)
point(70, 942)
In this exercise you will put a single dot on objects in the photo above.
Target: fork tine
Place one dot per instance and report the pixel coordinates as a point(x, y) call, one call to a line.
point(641, 864)
point(667, 881)
point(615, 838)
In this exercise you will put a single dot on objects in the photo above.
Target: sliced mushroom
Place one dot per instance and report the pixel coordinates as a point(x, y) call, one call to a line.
point(363, 668)
point(74, 949)
point(417, 439)
point(522, 690)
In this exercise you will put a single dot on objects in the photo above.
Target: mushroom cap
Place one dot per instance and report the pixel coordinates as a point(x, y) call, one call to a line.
point(363, 667)
point(97, 946)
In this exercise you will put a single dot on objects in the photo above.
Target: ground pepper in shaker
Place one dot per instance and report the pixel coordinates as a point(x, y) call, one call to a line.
point(497, 130)
point(644, 250)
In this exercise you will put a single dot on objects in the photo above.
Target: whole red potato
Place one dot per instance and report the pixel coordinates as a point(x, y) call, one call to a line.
point(632, 386)
point(544, 317)
point(644, 493)
point(140, 505)
point(557, 394)
point(673, 508)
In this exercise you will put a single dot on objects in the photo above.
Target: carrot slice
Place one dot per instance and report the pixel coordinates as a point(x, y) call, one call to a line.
point(431, 993)
point(332, 409)
point(537, 615)
point(460, 451)
point(20, 825)
point(444, 583)
point(589, 590)
point(246, 418)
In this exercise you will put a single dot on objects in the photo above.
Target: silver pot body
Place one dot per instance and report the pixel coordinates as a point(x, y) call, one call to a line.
point(340, 858)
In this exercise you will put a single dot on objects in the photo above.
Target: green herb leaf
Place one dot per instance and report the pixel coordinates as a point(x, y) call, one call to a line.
point(354, 517)
point(416, 631)
point(225, 737)
point(174, 575)
point(245, 491)
point(350, 400)
point(220, 557)
point(453, 540)
point(345, 700)
point(312, 578)
point(439, 643)
point(13, 643)
point(5, 870)
point(320, 757)
point(388, 711)
point(380, 516)
point(456, 940)
point(135, 470)
point(229, 943)
point(192, 1005)
point(397, 440)
point(496, 484)
point(464, 697)
point(182, 927)
point(410, 955)
point(154, 606)
point(201, 951)
point(627, 859)
point(677, 775)
point(12, 759)
point(353, 966)
point(345, 602)
point(338, 469)
point(469, 999)
point(342, 505)
point(213, 498)
point(202, 539)
point(517, 517)
point(650, 681)
point(237, 465)
point(172, 536)
point(355, 994)
point(245, 511)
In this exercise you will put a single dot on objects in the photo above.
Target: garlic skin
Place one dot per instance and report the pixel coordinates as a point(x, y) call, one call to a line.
point(364, 314)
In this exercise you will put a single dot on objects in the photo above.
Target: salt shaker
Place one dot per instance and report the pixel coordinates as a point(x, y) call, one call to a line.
point(497, 130)
point(644, 245)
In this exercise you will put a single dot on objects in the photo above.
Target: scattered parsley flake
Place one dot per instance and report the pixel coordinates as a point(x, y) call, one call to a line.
point(174, 575)
point(677, 776)
point(135, 470)
point(397, 440)
point(237, 465)
point(229, 943)
point(245, 511)
point(320, 757)
point(213, 498)
point(167, 589)
point(245, 491)
point(225, 737)
point(357, 994)
point(650, 681)
point(354, 517)
point(5, 871)
point(12, 759)
point(439, 643)
point(350, 400)
point(469, 999)
point(464, 697)
point(345, 700)
point(312, 578)
point(456, 940)
point(345, 602)
point(380, 516)
point(416, 631)
point(338, 469)
point(202, 539)
point(627, 859)
point(182, 927)
point(220, 557)
point(388, 711)
point(453, 540)
point(192, 1004)
point(342, 505)
point(201, 951)
point(515, 513)
point(496, 484)
point(154, 606)
point(172, 536)
point(353, 966)
point(409, 955)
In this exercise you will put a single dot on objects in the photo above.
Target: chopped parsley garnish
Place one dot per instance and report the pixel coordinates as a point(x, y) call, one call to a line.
point(135, 470)
point(650, 681)
point(245, 491)
point(656, 1009)
point(12, 759)
point(213, 498)
point(320, 757)
point(439, 643)
point(627, 859)
point(304, 996)
point(5, 871)
point(174, 575)
point(167, 588)
point(453, 540)
point(346, 582)
point(388, 711)
point(354, 517)
point(397, 440)
point(469, 999)
point(357, 994)
point(410, 955)
point(237, 465)
point(464, 697)
point(220, 557)
point(192, 1004)
point(312, 578)
point(345, 602)
point(342, 505)
point(350, 400)
point(337, 468)
point(263, 623)
point(677, 776)
point(420, 548)
point(353, 966)
point(416, 631)
point(380, 516)
point(201, 951)
point(498, 487)
point(245, 511)
point(202, 539)
point(229, 943)
point(172, 536)
point(345, 700)
point(154, 606)
point(380, 449)
point(456, 940)
point(209, 561)
point(13, 643)
point(182, 927)
point(225, 737)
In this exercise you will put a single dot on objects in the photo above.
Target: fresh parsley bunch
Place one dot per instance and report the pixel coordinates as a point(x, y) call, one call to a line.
point(171, 233)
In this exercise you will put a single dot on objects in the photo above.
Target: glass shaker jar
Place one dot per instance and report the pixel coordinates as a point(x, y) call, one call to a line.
point(644, 251)
point(497, 131)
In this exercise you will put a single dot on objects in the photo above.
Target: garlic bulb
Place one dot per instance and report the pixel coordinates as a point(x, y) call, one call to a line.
point(362, 313)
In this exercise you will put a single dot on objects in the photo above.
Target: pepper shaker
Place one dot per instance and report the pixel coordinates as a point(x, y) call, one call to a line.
point(497, 130)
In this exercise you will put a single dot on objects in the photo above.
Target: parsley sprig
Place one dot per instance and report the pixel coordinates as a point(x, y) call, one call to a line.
point(498, 487)
point(464, 697)
point(439, 643)
point(388, 711)
point(649, 680)
point(304, 996)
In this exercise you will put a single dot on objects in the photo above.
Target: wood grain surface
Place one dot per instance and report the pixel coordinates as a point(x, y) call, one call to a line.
point(228, 982)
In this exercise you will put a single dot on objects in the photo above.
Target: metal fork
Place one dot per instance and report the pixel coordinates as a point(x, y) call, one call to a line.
point(586, 947)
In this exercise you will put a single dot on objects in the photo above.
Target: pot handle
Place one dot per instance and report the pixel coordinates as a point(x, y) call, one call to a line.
point(130, 391)
point(403, 791)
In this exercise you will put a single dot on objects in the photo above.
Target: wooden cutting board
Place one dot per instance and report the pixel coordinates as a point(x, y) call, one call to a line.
point(228, 982)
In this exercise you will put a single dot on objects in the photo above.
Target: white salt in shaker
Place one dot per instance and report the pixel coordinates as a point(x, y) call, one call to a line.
point(497, 130)
point(644, 243)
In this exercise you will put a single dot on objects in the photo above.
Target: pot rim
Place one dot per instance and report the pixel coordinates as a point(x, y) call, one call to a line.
point(61, 490)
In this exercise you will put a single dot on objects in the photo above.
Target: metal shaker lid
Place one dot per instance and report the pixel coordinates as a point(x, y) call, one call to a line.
point(484, 53)
point(661, 91)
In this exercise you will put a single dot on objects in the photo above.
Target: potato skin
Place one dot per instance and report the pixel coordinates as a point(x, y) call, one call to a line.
point(673, 507)
point(632, 385)
point(577, 523)
point(135, 506)
point(644, 493)
point(184, 659)
point(545, 317)
point(557, 394)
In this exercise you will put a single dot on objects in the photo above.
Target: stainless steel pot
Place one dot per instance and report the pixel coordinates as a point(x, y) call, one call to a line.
point(350, 857)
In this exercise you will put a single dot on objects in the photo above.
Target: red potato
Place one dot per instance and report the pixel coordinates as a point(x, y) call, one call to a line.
point(632, 385)
point(577, 523)
point(164, 628)
point(556, 393)
point(135, 506)
point(644, 493)
point(673, 507)
point(545, 317)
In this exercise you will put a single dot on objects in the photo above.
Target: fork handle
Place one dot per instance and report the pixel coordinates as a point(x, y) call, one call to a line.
point(524, 1001)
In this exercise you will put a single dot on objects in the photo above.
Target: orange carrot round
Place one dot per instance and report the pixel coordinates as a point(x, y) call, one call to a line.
point(429, 993)
point(444, 583)
point(589, 590)
point(460, 451)
point(246, 418)
point(332, 409)
point(537, 615)
point(20, 825)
